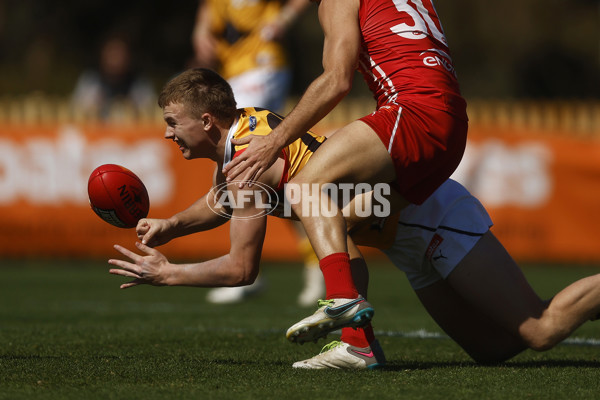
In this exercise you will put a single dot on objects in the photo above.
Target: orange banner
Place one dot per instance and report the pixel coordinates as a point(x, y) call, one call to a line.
point(542, 190)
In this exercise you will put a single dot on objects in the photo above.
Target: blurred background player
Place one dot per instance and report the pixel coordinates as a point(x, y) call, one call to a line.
point(114, 82)
point(243, 41)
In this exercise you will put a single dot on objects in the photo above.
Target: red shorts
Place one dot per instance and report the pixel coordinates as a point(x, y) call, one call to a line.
point(426, 146)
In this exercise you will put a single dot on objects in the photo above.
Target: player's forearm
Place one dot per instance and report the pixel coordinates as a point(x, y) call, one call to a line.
point(291, 10)
point(297, 6)
point(198, 217)
point(202, 22)
point(221, 271)
point(187, 223)
point(323, 94)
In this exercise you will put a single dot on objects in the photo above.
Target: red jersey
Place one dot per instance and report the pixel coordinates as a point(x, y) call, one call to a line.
point(405, 57)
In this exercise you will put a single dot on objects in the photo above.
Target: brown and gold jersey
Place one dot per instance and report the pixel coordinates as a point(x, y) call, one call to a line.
point(258, 121)
point(241, 46)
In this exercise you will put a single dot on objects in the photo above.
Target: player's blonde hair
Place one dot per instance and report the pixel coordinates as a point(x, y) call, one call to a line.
point(200, 90)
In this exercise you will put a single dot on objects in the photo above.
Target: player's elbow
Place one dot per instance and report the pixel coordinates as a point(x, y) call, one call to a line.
point(243, 273)
point(246, 280)
point(545, 338)
point(339, 83)
point(343, 87)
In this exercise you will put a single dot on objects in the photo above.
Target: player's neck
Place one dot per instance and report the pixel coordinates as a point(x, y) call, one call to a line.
point(221, 143)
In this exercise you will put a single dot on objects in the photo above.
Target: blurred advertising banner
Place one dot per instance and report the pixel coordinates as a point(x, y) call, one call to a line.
point(542, 190)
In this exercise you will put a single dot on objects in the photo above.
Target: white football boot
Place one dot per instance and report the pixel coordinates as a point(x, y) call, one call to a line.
point(332, 314)
point(340, 355)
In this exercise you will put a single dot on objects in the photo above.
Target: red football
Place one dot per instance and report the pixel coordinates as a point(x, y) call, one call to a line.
point(118, 196)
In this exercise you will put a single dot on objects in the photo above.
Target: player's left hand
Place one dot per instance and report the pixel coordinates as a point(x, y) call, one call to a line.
point(261, 153)
point(149, 269)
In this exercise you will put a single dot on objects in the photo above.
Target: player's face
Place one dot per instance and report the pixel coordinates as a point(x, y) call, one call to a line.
point(187, 132)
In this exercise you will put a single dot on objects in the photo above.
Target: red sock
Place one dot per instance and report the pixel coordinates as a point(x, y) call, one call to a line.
point(359, 337)
point(338, 277)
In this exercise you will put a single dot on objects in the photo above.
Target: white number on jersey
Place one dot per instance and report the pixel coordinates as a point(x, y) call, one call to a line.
point(422, 22)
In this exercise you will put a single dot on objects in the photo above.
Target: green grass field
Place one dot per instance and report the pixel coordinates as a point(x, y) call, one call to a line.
point(68, 332)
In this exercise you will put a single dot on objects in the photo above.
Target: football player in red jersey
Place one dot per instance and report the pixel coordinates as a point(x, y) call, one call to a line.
point(413, 140)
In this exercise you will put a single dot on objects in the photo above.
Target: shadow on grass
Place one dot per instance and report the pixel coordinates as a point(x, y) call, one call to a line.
point(535, 364)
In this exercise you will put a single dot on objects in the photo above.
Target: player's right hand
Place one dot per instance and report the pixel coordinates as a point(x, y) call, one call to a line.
point(261, 153)
point(153, 232)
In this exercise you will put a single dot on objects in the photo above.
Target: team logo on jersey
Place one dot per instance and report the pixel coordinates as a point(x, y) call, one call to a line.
point(252, 123)
point(435, 57)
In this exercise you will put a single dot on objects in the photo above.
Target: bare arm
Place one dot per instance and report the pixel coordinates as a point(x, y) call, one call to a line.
point(276, 29)
point(339, 19)
point(203, 40)
point(239, 267)
point(205, 214)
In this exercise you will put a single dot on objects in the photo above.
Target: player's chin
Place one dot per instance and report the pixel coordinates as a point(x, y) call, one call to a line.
point(186, 154)
point(189, 155)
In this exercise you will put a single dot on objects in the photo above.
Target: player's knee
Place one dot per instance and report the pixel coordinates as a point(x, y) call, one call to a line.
point(541, 335)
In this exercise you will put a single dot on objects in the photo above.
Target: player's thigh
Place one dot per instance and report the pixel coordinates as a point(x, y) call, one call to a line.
point(354, 154)
point(489, 279)
point(482, 338)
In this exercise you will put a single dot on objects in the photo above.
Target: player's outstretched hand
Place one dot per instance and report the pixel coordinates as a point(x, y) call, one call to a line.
point(154, 232)
point(261, 153)
point(151, 268)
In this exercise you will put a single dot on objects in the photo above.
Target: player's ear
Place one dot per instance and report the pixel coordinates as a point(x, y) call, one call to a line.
point(208, 120)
